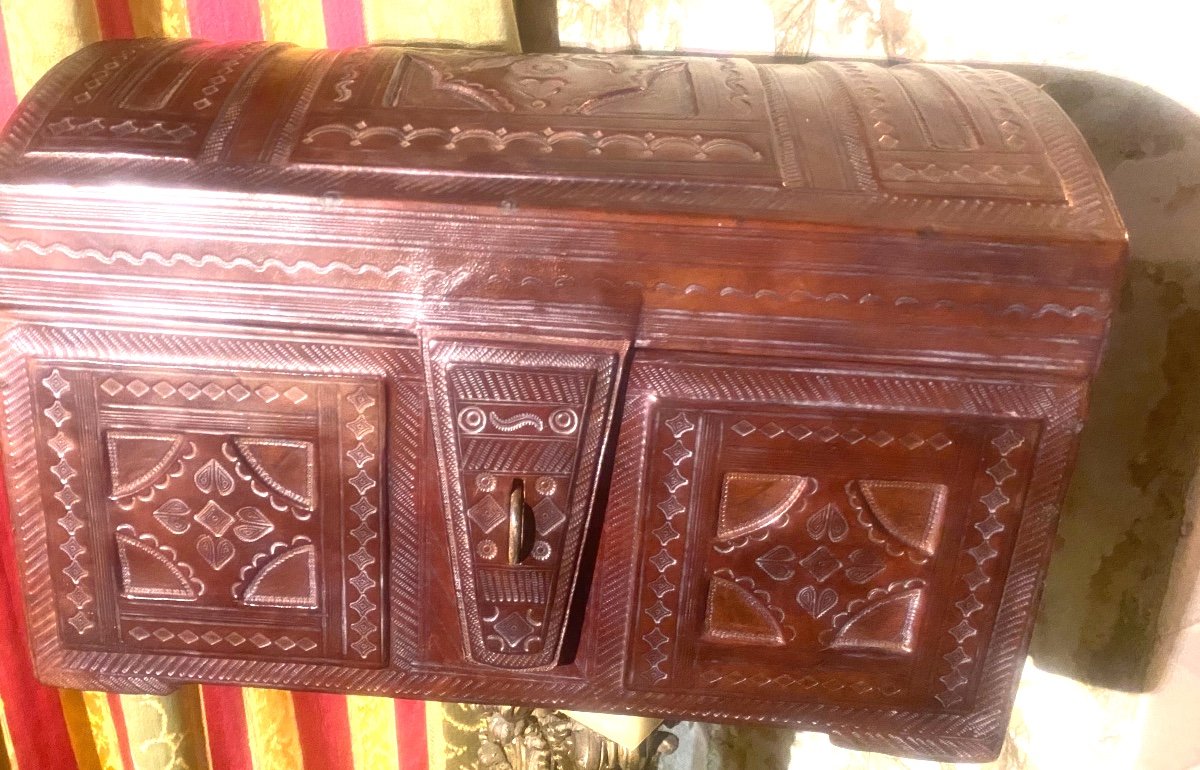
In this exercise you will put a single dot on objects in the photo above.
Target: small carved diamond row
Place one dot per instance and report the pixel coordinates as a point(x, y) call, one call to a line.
point(663, 562)
point(213, 638)
point(828, 433)
point(362, 483)
point(58, 414)
point(983, 552)
point(191, 391)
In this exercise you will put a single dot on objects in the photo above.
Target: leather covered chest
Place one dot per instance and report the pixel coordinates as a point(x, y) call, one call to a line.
point(686, 387)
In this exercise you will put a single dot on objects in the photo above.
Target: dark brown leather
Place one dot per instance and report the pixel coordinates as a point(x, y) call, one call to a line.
point(689, 387)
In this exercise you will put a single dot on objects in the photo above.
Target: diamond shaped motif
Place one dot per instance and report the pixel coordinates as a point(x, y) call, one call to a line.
point(671, 507)
point(56, 384)
point(267, 393)
point(60, 444)
point(679, 424)
point(656, 638)
point(975, 578)
point(363, 647)
point(57, 413)
point(67, 497)
point(513, 629)
point(363, 533)
point(882, 438)
point(295, 395)
point(75, 572)
point(360, 427)
point(189, 391)
point(1001, 471)
point(285, 643)
point(969, 606)
point(238, 392)
point(742, 428)
point(362, 605)
point(362, 582)
point(666, 533)
point(213, 391)
point(663, 561)
point(361, 558)
point(661, 586)
point(821, 564)
point(260, 641)
point(363, 508)
point(362, 626)
point(487, 513)
point(164, 389)
point(912, 441)
point(360, 455)
point(547, 516)
point(994, 500)
point(71, 523)
point(957, 657)
point(799, 432)
point(677, 453)
point(63, 471)
point(674, 480)
point(362, 482)
point(81, 622)
point(360, 400)
point(939, 441)
point(657, 612)
point(138, 388)
point(214, 518)
point(211, 637)
point(989, 527)
point(188, 637)
point(139, 633)
point(962, 631)
point(111, 386)
point(982, 552)
point(771, 430)
point(236, 639)
point(1007, 442)
point(853, 436)
point(827, 434)
point(72, 548)
point(79, 597)
point(163, 635)
point(308, 645)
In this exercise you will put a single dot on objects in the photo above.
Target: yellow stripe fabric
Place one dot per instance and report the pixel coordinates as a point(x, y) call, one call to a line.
point(41, 33)
point(79, 728)
point(373, 741)
point(165, 731)
point(104, 731)
point(435, 738)
point(466, 22)
point(160, 18)
point(8, 759)
point(294, 21)
point(271, 725)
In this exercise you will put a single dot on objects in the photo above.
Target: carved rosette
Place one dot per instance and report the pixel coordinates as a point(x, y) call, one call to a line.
point(519, 433)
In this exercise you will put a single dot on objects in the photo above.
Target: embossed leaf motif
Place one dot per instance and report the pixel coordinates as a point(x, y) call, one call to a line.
point(174, 515)
point(212, 478)
point(215, 551)
point(777, 562)
point(816, 603)
point(829, 521)
point(252, 525)
point(863, 566)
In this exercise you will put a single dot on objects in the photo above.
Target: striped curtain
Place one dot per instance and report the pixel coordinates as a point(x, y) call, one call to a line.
point(219, 728)
point(36, 34)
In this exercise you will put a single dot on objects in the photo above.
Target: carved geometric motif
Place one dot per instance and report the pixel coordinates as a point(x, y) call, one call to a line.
point(809, 566)
point(211, 501)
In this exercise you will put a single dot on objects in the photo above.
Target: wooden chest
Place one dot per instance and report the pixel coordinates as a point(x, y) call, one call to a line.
point(683, 387)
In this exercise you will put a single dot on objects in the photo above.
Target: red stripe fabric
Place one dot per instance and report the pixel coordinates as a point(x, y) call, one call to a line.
point(225, 20)
point(324, 728)
point(8, 94)
point(410, 735)
point(115, 17)
point(344, 25)
point(118, 718)
point(225, 725)
point(33, 710)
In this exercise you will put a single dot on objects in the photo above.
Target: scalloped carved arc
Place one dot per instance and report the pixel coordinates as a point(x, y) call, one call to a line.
point(286, 466)
point(289, 580)
point(149, 573)
point(888, 625)
point(752, 501)
point(910, 511)
point(733, 615)
point(136, 459)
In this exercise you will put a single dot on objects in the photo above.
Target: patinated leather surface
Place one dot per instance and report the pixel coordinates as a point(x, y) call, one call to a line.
point(688, 387)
